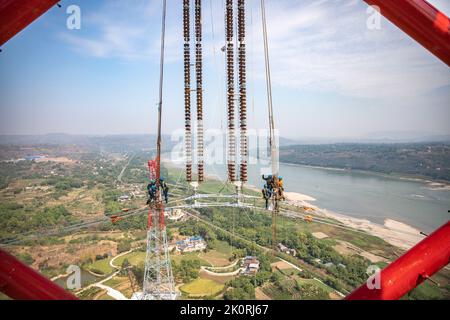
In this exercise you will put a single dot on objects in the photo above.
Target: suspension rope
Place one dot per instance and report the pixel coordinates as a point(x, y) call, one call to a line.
point(159, 216)
point(273, 147)
point(272, 143)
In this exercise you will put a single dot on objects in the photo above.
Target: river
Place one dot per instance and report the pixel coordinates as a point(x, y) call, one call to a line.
point(366, 195)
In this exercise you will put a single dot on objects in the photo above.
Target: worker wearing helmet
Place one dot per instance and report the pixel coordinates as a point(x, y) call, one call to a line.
point(165, 189)
point(269, 182)
point(281, 188)
point(151, 188)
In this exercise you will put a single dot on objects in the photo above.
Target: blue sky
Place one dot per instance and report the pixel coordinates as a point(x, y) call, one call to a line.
point(332, 76)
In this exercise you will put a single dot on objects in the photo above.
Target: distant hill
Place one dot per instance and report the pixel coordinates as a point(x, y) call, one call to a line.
point(421, 159)
point(111, 143)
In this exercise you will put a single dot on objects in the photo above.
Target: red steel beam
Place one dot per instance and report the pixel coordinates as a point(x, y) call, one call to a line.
point(421, 21)
point(16, 15)
point(20, 282)
point(407, 272)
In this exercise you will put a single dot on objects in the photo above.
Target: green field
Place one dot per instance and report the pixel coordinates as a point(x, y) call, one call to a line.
point(134, 258)
point(101, 266)
point(317, 283)
point(201, 288)
point(189, 256)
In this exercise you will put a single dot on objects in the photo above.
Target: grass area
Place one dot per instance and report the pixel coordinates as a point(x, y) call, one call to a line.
point(121, 284)
point(215, 187)
point(138, 258)
point(364, 241)
point(90, 293)
point(426, 291)
point(106, 297)
point(189, 256)
point(216, 258)
point(290, 271)
point(317, 283)
point(114, 282)
point(222, 247)
point(201, 288)
point(135, 258)
point(100, 266)
point(220, 254)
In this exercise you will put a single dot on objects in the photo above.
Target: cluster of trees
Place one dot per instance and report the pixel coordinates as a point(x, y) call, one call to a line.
point(283, 288)
point(25, 257)
point(350, 269)
point(256, 226)
point(426, 159)
point(16, 218)
point(241, 288)
point(186, 270)
point(11, 171)
point(124, 245)
point(63, 183)
point(101, 257)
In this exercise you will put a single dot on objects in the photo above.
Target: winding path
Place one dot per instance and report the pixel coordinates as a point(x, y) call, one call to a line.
point(110, 291)
point(210, 270)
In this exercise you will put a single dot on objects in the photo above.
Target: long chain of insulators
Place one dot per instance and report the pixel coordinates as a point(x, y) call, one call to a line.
point(187, 88)
point(230, 91)
point(242, 90)
point(199, 91)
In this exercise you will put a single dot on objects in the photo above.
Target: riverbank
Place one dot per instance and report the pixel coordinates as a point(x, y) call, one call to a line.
point(384, 221)
point(393, 232)
point(429, 182)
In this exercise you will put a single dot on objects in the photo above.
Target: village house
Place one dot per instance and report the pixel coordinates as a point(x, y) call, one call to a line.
point(286, 250)
point(191, 244)
point(175, 215)
point(250, 266)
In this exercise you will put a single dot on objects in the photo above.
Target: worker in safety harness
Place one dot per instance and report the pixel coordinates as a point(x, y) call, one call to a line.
point(281, 188)
point(267, 194)
point(151, 188)
point(269, 182)
point(165, 189)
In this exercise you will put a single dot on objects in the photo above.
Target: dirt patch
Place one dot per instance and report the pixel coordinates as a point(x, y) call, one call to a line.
point(99, 295)
point(348, 249)
point(215, 258)
point(57, 256)
point(280, 265)
point(221, 280)
point(63, 160)
point(320, 235)
point(334, 296)
point(260, 295)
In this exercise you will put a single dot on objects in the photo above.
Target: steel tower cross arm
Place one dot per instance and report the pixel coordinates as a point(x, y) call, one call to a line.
point(421, 21)
point(410, 270)
point(16, 15)
point(20, 282)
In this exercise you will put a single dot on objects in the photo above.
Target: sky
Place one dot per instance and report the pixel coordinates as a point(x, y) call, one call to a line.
point(332, 75)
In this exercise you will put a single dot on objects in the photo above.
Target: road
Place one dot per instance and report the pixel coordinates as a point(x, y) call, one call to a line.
point(119, 178)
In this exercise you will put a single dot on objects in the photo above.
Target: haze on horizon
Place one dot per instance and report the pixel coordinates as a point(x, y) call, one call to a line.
point(332, 76)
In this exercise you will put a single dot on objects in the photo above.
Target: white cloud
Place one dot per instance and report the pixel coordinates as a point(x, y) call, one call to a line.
point(119, 29)
point(326, 46)
point(320, 45)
